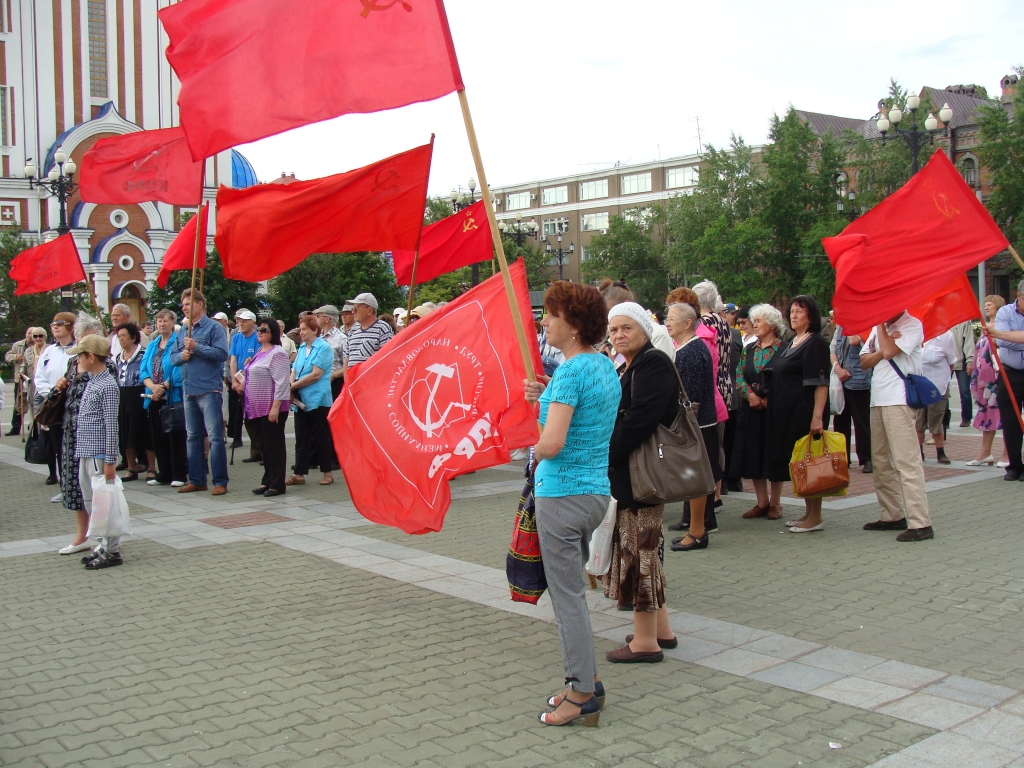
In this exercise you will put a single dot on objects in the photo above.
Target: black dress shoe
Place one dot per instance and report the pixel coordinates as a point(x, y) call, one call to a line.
point(260, 491)
point(917, 534)
point(735, 486)
point(887, 525)
point(251, 460)
point(682, 525)
point(701, 543)
point(1012, 475)
point(51, 480)
point(725, 490)
point(718, 503)
point(867, 469)
point(11, 433)
point(271, 492)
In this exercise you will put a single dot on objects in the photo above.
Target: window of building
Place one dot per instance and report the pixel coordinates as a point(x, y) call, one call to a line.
point(637, 214)
point(556, 226)
point(969, 170)
point(590, 222)
point(592, 190)
point(635, 182)
point(681, 177)
point(4, 111)
point(517, 201)
point(98, 48)
point(584, 256)
point(554, 195)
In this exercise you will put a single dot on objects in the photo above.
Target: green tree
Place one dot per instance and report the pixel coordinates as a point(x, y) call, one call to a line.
point(222, 294)
point(332, 278)
point(1001, 151)
point(632, 251)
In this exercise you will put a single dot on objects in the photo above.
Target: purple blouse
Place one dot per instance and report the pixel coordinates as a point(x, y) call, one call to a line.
point(267, 378)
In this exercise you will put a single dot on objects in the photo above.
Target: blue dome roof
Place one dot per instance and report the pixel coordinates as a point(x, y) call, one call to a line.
point(242, 173)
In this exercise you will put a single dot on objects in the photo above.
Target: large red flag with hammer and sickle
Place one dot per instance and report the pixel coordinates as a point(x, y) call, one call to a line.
point(910, 247)
point(443, 398)
point(142, 166)
point(255, 68)
point(265, 230)
point(447, 245)
point(47, 267)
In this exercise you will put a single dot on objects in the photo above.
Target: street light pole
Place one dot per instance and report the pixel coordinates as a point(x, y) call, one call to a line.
point(459, 203)
point(60, 184)
point(518, 231)
point(560, 252)
point(914, 137)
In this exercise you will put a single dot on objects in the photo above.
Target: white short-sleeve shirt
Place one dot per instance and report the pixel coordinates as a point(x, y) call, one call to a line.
point(887, 387)
point(938, 355)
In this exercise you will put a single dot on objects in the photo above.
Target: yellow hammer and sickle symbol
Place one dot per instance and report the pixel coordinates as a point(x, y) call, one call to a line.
point(376, 5)
point(947, 210)
point(469, 224)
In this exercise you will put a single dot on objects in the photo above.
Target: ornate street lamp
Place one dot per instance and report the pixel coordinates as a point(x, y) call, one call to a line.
point(60, 184)
point(461, 202)
point(914, 136)
point(845, 194)
point(518, 230)
point(559, 252)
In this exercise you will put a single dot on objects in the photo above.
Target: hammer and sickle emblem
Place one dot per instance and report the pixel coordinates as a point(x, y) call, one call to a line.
point(377, 5)
point(944, 206)
point(469, 224)
point(148, 164)
point(386, 180)
point(426, 424)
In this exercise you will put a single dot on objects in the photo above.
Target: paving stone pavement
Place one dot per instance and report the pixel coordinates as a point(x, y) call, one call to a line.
point(327, 641)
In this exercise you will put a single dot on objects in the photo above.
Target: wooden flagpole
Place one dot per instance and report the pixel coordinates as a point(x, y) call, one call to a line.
point(412, 284)
point(506, 276)
point(1016, 256)
point(195, 268)
point(1002, 368)
point(95, 304)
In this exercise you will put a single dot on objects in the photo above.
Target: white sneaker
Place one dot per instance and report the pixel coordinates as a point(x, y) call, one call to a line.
point(981, 462)
point(1002, 464)
point(177, 483)
point(70, 549)
point(56, 499)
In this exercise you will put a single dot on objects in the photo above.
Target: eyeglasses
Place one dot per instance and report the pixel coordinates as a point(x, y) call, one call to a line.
point(38, 335)
point(262, 330)
point(59, 322)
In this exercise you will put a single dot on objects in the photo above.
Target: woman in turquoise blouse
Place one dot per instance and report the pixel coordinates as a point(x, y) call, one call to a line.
point(311, 402)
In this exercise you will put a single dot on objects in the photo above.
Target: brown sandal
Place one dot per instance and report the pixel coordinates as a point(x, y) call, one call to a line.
point(327, 481)
point(295, 480)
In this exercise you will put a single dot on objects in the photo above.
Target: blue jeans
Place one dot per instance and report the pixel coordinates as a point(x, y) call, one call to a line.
point(203, 417)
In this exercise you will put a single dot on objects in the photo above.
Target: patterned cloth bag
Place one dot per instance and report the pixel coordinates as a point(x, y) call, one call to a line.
point(523, 566)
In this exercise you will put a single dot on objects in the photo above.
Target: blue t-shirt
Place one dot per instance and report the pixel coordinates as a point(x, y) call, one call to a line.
point(244, 348)
point(589, 384)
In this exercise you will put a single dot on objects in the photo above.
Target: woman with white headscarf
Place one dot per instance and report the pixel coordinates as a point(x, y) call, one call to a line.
point(650, 396)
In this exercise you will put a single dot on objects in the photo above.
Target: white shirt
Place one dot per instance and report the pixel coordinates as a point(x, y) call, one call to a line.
point(887, 388)
point(937, 356)
point(662, 341)
point(115, 343)
point(51, 365)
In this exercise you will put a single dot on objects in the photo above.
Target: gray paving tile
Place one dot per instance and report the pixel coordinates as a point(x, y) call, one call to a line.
point(858, 692)
point(781, 647)
point(902, 760)
point(995, 727)
point(838, 660)
point(1014, 706)
point(694, 648)
point(733, 635)
point(903, 675)
point(689, 623)
point(796, 676)
point(968, 691)
point(739, 662)
point(931, 711)
point(953, 749)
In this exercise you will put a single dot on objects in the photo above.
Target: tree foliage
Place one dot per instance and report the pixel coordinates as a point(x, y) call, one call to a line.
point(222, 294)
point(1002, 152)
point(634, 251)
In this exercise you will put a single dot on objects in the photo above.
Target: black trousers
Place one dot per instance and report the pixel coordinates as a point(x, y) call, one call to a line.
point(728, 441)
point(171, 455)
point(311, 430)
point(235, 417)
point(54, 447)
point(18, 402)
point(1012, 436)
point(275, 451)
point(255, 432)
point(858, 414)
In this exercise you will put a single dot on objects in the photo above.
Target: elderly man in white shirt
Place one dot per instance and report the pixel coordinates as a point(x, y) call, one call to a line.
point(938, 357)
point(899, 473)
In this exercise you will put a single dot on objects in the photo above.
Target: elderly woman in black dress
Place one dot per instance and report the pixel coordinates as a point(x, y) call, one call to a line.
point(798, 399)
point(751, 450)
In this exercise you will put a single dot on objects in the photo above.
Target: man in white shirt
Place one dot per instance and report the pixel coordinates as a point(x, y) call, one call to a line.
point(899, 473)
point(937, 359)
point(119, 315)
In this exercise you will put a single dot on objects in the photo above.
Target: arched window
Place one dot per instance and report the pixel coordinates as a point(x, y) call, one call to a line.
point(969, 170)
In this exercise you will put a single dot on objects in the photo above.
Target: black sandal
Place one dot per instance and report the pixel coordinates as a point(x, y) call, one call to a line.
point(150, 474)
point(590, 711)
point(129, 477)
point(104, 560)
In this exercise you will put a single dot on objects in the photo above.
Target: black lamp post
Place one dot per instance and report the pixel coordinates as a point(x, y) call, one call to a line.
point(847, 194)
point(519, 230)
point(914, 136)
point(461, 202)
point(560, 252)
point(58, 183)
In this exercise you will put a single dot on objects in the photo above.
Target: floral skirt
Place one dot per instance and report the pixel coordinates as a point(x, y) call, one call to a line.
point(637, 574)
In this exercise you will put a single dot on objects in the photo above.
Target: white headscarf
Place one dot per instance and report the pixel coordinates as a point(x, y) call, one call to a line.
point(633, 311)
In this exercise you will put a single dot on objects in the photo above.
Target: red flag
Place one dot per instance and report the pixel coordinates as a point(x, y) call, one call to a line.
point(47, 267)
point(454, 242)
point(444, 398)
point(953, 304)
point(182, 250)
point(266, 230)
point(255, 68)
point(910, 246)
point(142, 166)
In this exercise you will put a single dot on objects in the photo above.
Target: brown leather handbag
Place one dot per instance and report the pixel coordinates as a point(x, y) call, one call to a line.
point(819, 475)
point(672, 464)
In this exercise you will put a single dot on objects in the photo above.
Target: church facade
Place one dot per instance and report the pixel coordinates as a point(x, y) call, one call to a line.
point(73, 72)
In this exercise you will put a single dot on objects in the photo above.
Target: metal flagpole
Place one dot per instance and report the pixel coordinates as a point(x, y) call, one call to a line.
point(510, 293)
point(412, 284)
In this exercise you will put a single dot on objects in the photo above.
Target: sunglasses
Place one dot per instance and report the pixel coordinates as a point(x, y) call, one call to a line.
point(39, 336)
point(59, 322)
point(262, 330)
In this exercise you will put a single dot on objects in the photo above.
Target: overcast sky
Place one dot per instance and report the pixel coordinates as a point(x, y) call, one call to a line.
point(567, 86)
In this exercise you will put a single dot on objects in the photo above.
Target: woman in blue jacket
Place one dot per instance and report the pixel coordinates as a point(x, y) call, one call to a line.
point(164, 386)
point(311, 401)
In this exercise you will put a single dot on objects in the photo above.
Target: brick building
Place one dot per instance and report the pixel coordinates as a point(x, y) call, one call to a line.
point(72, 72)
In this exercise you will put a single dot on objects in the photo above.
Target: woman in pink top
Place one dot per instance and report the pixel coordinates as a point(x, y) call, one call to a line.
point(267, 391)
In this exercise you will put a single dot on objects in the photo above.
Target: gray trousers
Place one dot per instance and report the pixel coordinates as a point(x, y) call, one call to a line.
point(565, 526)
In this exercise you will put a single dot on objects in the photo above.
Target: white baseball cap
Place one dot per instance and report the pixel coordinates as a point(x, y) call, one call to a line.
point(245, 314)
point(220, 316)
point(365, 298)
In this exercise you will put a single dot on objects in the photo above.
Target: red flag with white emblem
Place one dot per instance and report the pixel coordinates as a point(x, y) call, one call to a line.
point(444, 398)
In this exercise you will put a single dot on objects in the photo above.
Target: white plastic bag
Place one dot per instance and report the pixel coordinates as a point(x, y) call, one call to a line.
point(836, 395)
point(109, 513)
point(601, 542)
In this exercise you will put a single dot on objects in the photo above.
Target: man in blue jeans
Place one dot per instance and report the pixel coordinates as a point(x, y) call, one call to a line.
point(201, 355)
